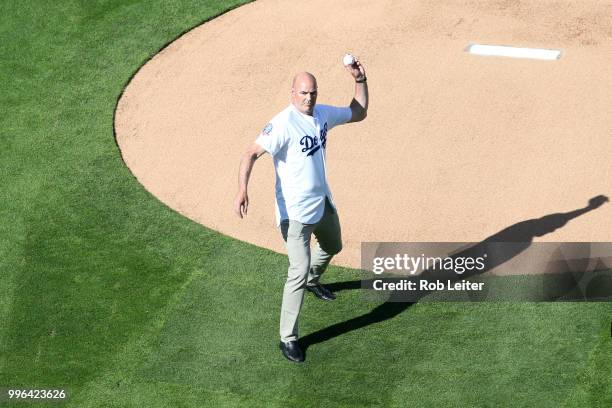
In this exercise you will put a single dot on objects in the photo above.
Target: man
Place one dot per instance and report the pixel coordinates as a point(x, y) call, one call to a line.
point(296, 138)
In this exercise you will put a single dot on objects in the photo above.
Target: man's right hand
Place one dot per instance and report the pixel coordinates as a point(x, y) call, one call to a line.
point(241, 203)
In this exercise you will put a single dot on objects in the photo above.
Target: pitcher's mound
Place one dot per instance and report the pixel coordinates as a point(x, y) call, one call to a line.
point(456, 147)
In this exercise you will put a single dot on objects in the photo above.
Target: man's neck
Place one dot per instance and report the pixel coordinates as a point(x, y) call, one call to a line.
point(311, 114)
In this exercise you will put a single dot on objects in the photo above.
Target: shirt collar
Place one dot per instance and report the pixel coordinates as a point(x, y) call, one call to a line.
point(307, 117)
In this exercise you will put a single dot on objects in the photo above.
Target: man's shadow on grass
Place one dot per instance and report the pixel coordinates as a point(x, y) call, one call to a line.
point(522, 234)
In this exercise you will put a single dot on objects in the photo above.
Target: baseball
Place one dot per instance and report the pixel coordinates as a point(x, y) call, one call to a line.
point(348, 59)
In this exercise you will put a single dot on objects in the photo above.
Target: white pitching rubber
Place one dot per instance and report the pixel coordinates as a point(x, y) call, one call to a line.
point(514, 52)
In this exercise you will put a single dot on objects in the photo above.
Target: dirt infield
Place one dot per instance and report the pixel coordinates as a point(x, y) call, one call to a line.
point(456, 147)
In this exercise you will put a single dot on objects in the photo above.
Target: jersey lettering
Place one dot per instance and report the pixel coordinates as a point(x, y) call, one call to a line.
point(324, 135)
point(313, 144)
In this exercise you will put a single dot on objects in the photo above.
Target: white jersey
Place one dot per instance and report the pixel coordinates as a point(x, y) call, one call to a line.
point(297, 144)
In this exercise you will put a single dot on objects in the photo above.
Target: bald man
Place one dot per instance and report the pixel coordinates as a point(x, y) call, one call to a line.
point(297, 138)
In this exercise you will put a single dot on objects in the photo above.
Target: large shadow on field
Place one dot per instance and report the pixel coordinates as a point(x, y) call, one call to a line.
point(522, 234)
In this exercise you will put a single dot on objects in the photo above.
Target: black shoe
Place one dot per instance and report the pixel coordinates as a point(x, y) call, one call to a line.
point(321, 292)
point(292, 351)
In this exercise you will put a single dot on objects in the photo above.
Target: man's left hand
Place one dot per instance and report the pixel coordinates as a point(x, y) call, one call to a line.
point(356, 70)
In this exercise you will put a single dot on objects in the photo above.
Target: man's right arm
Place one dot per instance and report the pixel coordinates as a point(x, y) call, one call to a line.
point(241, 202)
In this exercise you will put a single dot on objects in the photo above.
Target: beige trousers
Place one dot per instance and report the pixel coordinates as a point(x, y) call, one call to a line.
point(305, 269)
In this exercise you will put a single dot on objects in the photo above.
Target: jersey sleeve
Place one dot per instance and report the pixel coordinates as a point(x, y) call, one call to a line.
point(273, 137)
point(335, 116)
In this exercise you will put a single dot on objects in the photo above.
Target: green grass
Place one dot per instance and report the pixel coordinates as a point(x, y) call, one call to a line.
point(107, 292)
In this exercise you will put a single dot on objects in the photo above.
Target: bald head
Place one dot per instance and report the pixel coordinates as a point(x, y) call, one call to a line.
point(305, 78)
point(304, 92)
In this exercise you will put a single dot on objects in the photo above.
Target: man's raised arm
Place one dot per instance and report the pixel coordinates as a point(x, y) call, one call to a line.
point(241, 202)
point(359, 104)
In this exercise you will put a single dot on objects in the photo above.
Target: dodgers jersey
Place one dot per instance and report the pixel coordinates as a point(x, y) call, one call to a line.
point(297, 144)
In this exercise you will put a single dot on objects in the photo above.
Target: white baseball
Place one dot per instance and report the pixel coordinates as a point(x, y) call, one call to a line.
point(348, 59)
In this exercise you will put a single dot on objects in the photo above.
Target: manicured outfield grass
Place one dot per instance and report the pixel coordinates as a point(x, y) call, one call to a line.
point(110, 294)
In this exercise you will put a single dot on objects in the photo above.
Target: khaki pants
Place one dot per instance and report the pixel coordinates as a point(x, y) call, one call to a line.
point(305, 269)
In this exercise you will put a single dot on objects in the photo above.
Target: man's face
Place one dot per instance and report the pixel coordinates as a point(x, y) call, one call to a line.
point(304, 94)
